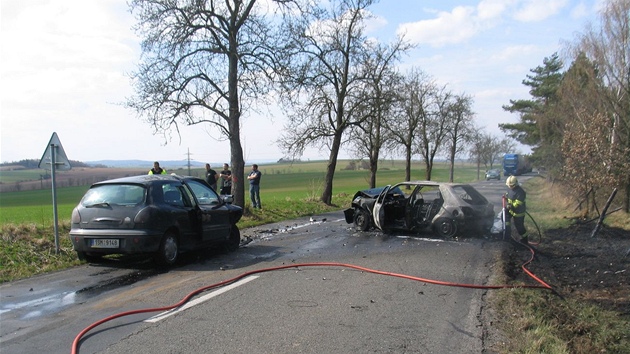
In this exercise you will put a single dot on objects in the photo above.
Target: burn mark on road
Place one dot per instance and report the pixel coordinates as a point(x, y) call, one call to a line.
point(118, 282)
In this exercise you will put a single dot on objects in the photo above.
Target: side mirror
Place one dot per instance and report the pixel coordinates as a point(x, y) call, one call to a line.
point(228, 198)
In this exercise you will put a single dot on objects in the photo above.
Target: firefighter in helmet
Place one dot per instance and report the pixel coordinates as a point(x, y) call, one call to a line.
point(515, 209)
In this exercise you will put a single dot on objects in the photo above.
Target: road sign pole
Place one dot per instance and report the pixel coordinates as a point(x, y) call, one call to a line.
point(56, 157)
point(53, 167)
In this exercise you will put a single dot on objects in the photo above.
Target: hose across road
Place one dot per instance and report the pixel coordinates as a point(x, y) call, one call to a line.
point(542, 285)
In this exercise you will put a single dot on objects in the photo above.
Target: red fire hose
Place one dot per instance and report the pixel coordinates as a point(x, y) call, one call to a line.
point(77, 339)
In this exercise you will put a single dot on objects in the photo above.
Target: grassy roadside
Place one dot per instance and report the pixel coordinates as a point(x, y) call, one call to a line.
point(543, 322)
point(28, 249)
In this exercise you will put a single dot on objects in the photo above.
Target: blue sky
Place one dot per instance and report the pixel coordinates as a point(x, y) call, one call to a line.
point(64, 65)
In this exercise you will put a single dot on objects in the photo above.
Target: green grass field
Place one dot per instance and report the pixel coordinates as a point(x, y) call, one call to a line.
point(280, 183)
point(37, 207)
point(21, 175)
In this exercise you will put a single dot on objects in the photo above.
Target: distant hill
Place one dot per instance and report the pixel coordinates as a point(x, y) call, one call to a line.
point(169, 164)
point(28, 164)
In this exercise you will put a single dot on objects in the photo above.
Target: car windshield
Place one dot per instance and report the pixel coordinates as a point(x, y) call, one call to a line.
point(204, 194)
point(114, 194)
point(378, 190)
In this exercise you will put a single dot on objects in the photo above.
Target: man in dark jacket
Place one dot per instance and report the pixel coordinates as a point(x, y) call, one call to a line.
point(226, 177)
point(516, 209)
point(211, 177)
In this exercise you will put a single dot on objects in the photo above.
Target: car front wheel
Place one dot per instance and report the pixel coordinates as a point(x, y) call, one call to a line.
point(445, 227)
point(234, 239)
point(169, 250)
point(361, 219)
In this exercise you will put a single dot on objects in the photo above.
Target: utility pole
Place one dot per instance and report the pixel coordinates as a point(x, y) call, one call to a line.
point(188, 161)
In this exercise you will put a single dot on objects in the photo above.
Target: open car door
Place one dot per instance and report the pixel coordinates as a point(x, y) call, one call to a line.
point(379, 212)
point(214, 216)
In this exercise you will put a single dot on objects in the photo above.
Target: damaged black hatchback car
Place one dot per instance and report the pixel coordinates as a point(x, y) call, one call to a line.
point(158, 215)
point(447, 209)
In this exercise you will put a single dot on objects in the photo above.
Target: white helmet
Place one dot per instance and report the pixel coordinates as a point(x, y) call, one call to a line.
point(511, 182)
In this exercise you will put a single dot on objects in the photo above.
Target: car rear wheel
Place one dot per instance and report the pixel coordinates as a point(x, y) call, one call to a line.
point(169, 250)
point(234, 240)
point(445, 227)
point(361, 219)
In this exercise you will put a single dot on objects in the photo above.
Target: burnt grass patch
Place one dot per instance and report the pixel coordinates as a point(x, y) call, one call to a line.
point(595, 270)
point(589, 309)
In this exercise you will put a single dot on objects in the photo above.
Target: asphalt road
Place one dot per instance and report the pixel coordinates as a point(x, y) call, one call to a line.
point(307, 309)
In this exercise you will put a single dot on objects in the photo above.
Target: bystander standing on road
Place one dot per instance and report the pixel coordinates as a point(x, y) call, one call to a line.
point(254, 186)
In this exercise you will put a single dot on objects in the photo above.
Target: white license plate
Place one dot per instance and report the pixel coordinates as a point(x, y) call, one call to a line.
point(105, 243)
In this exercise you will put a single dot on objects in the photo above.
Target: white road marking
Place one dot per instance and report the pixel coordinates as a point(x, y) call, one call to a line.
point(201, 299)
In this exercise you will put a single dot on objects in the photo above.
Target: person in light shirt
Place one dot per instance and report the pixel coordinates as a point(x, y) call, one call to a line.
point(254, 186)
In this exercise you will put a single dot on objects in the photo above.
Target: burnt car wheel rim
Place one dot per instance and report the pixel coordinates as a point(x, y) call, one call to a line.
point(446, 227)
point(362, 220)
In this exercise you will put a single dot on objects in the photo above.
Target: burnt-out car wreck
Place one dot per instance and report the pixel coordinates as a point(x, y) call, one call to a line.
point(447, 209)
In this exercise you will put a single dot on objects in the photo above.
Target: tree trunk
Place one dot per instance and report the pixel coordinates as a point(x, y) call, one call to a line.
point(374, 159)
point(373, 168)
point(237, 166)
point(326, 197)
point(626, 199)
point(451, 175)
point(478, 169)
point(429, 165)
point(236, 150)
point(408, 164)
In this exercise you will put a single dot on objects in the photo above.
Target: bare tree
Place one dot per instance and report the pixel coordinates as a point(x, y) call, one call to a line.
point(475, 150)
point(460, 129)
point(588, 160)
point(370, 137)
point(414, 96)
point(434, 125)
point(203, 62)
point(591, 161)
point(324, 84)
point(486, 149)
point(609, 48)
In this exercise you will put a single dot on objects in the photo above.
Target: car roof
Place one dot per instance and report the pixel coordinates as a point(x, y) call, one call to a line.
point(431, 184)
point(427, 183)
point(145, 179)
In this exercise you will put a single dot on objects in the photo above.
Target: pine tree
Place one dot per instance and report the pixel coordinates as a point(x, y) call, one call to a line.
point(544, 83)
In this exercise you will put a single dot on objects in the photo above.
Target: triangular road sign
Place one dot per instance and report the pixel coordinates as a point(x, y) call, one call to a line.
point(61, 160)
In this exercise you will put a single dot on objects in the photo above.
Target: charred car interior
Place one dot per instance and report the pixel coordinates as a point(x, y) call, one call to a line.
point(420, 206)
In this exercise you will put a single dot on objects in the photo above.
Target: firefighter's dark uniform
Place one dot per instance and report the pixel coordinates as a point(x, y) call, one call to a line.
point(516, 210)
